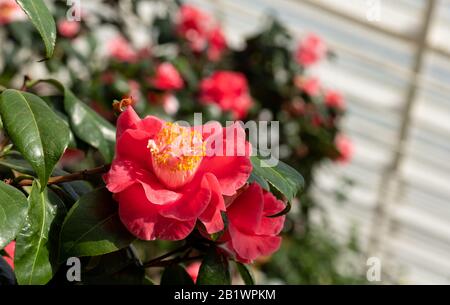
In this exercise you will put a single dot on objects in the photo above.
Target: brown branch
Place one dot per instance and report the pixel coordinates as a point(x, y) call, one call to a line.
point(160, 258)
point(173, 261)
point(81, 175)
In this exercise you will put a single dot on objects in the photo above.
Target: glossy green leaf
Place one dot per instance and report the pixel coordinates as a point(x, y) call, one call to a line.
point(36, 243)
point(260, 180)
point(42, 20)
point(13, 211)
point(18, 164)
point(92, 227)
point(245, 274)
point(214, 269)
point(87, 124)
point(176, 275)
point(117, 268)
point(283, 177)
point(36, 131)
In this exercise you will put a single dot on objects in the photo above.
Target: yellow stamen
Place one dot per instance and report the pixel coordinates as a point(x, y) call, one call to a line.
point(177, 148)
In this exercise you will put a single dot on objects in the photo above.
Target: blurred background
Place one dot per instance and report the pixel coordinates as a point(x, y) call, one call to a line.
point(391, 61)
point(393, 67)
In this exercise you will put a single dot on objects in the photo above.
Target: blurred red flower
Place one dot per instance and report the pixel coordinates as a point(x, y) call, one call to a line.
point(334, 99)
point(68, 29)
point(120, 49)
point(167, 77)
point(71, 157)
point(10, 11)
point(217, 44)
point(345, 148)
point(228, 90)
point(311, 50)
point(201, 31)
point(311, 86)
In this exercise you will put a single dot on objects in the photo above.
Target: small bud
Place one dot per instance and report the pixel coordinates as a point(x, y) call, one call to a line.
point(120, 106)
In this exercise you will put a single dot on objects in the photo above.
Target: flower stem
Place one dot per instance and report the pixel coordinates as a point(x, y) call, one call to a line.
point(172, 261)
point(81, 175)
point(156, 261)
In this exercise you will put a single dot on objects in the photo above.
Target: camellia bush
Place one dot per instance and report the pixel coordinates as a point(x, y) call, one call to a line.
point(107, 170)
point(202, 186)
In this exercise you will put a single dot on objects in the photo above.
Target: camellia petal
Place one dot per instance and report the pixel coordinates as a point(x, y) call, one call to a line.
point(122, 174)
point(127, 120)
point(271, 225)
point(212, 216)
point(196, 197)
point(250, 247)
point(132, 145)
point(246, 211)
point(227, 157)
point(143, 220)
point(251, 233)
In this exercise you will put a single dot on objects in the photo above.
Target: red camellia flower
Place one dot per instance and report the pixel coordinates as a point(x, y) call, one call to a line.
point(311, 50)
point(193, 25)
point(167, 77)
point(10, 11)
point(217, 44)
point(71, 157)
point(344, 147)
point(134, 90)
point(120, 49)
point(166, 176)
point(334, 99)
point(68, 29)
point(251, 233)
point(310, 86)
point(10, 249)
point(229, 90)
point(200, 30)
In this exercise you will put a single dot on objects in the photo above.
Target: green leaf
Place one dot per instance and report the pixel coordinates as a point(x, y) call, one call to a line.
point(258, 179)
point(37, 132)
point(42, 20)
point(87, 124)
point(245, 274)
point(36, 244)
point(90, 126)
point(185, 68)
point(214, 269)
point(283, 177)
point(92, 227)
point(130, 275)
point(13, 211)
point(15, 162)
point(176, 275)
point(117, 268)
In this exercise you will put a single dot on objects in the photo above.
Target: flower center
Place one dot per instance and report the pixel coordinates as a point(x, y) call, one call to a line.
point(176, 154)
